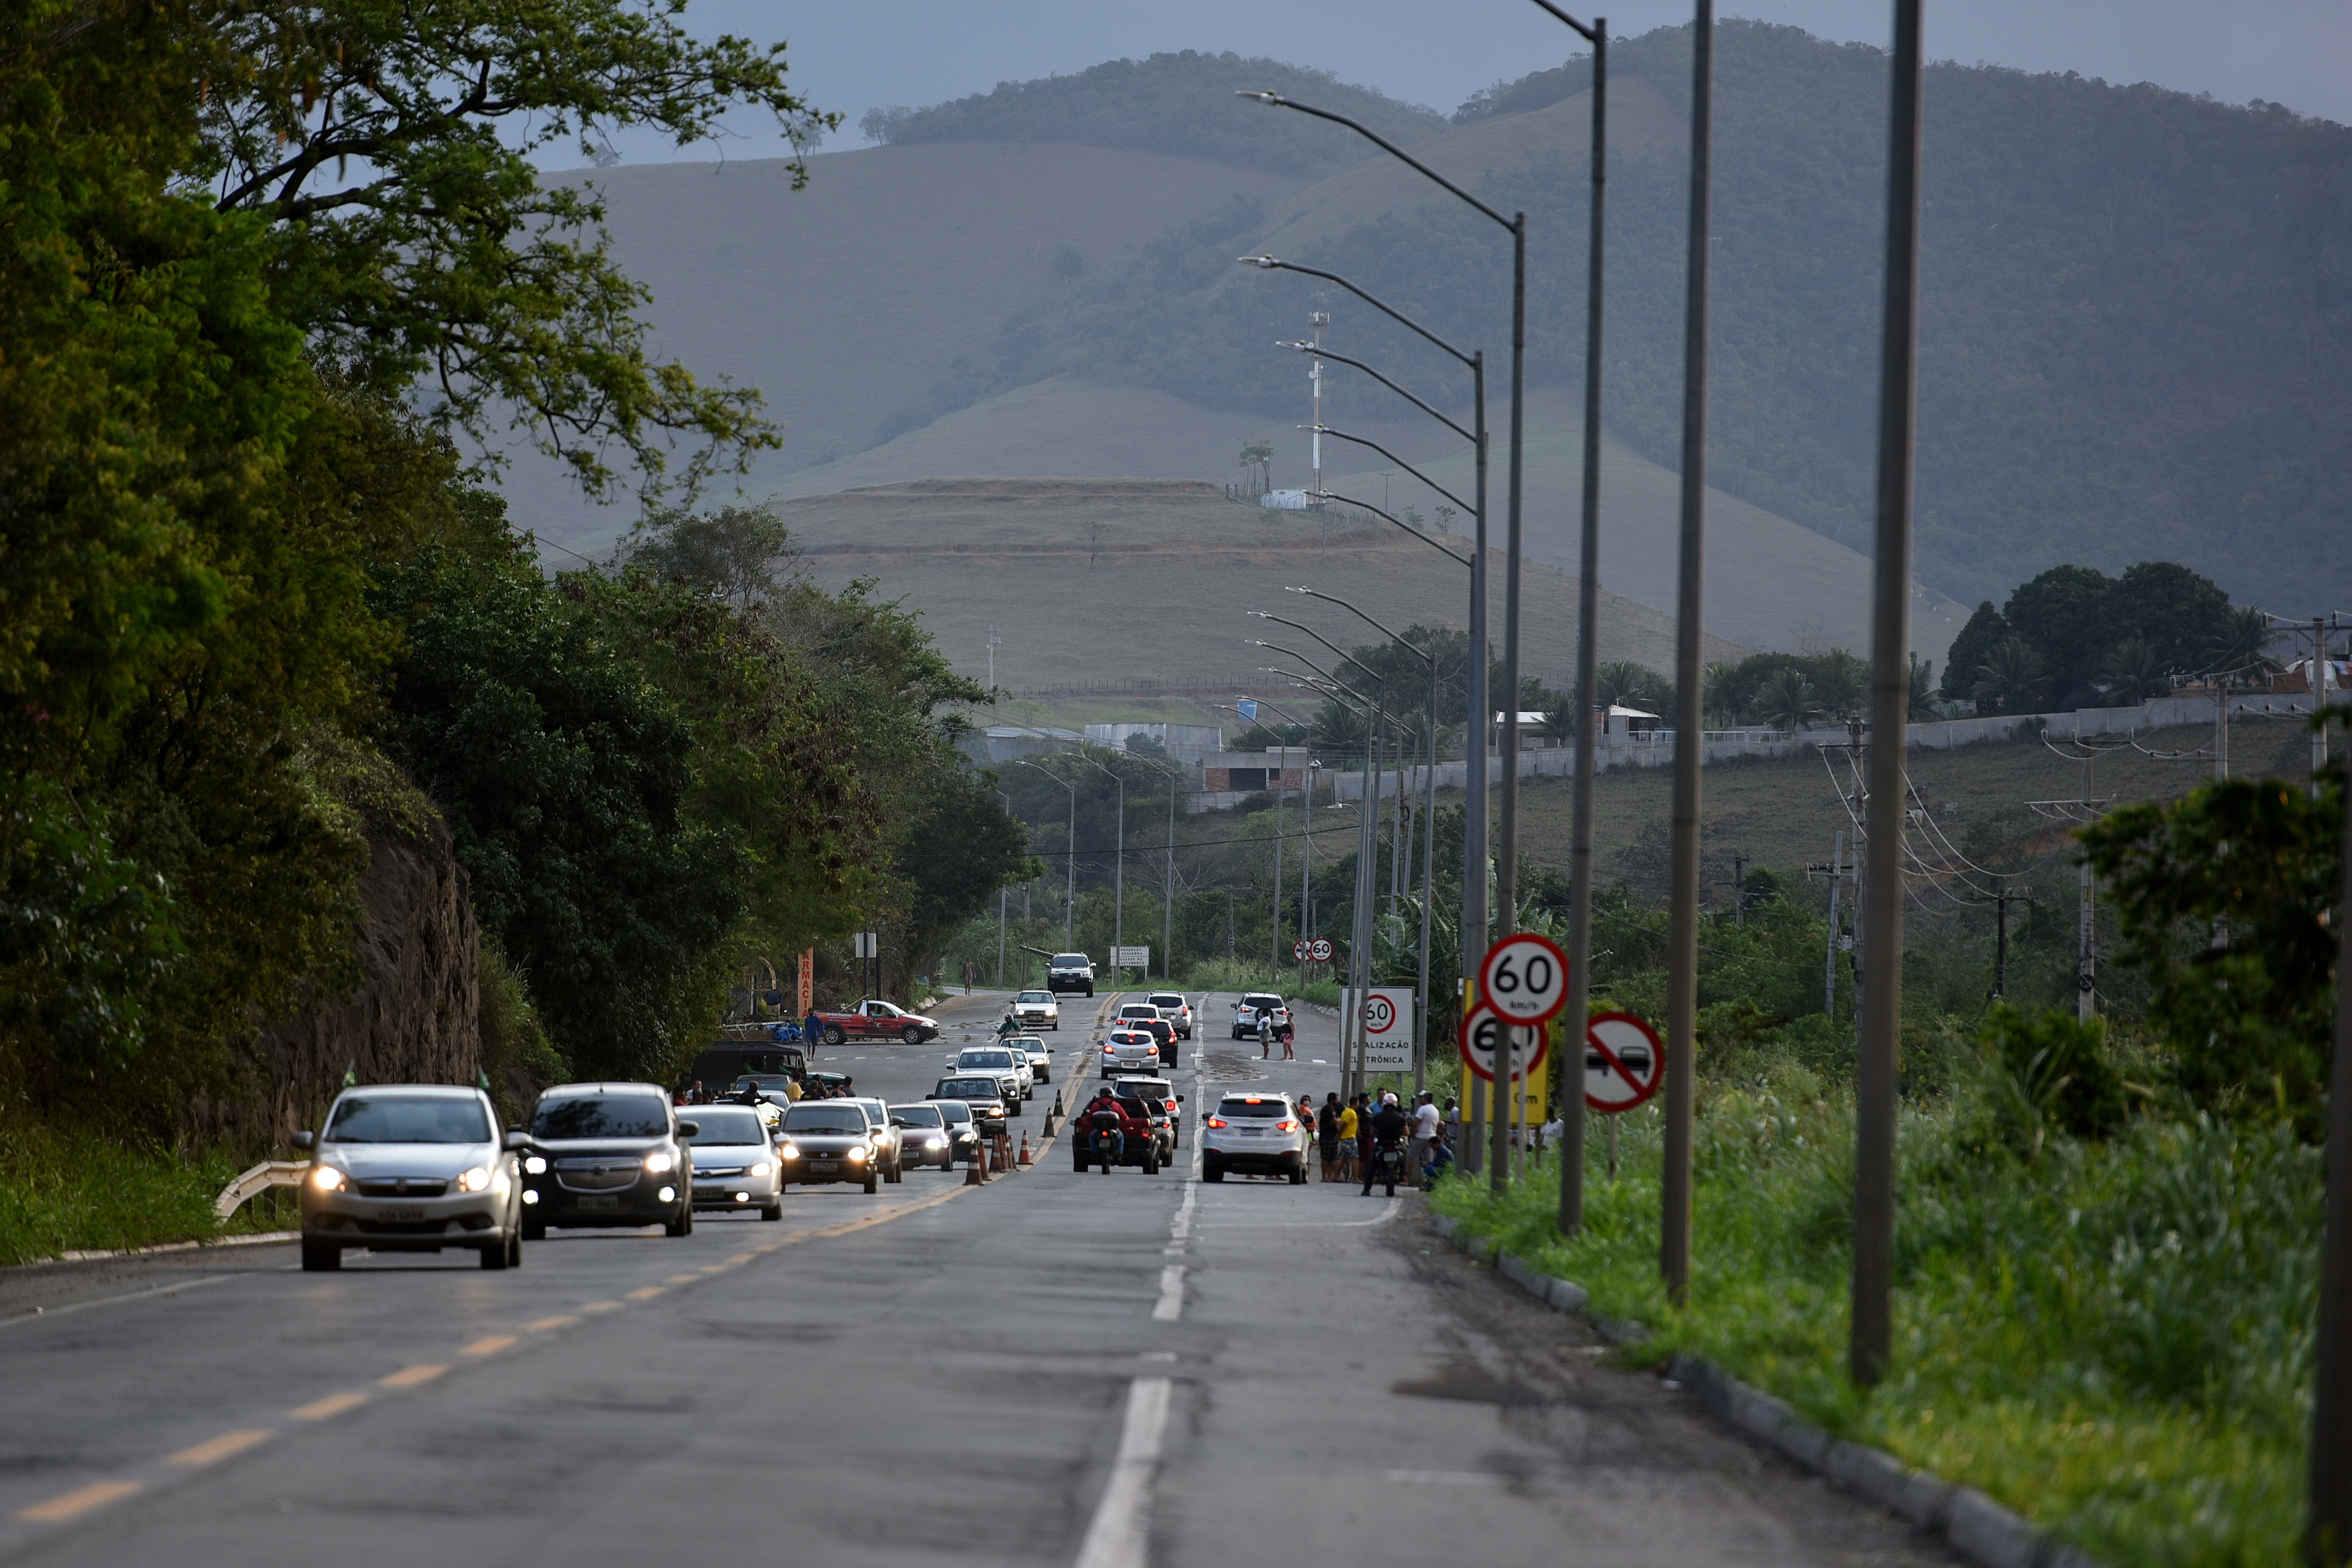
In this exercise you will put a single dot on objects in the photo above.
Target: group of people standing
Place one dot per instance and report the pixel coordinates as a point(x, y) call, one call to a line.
point(1348, 1135)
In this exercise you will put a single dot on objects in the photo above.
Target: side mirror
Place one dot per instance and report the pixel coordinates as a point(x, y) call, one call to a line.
point(1180, 1100)
point(304, 1139)
point(896, 1122)
point(689, 1129)
point(517, 1140)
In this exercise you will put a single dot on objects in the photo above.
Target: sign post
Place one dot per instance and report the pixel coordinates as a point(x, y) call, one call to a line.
point(1384, 1017)
point(1131, 958)
point(1624, 1063)
point(1523, 980)
point(807, 982)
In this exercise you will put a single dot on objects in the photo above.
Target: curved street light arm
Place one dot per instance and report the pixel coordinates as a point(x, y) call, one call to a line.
point(1427, 658)
point(1276, 100)
point(1323, 677)
point(1351, 501)
point(1391, 456)
point(1275, 264)
point(1307, 348)
point(1588, 34)
point(1318, 637)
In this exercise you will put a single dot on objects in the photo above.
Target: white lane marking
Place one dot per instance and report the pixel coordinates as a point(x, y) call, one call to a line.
point(1389, 1210)
point(46, 1313)
point(1444, 1477)
point(1170, 1305)
point(1119, 1535)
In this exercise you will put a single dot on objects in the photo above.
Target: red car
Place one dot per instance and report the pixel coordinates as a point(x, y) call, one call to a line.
point(875, 1020)
point(1145, 1127)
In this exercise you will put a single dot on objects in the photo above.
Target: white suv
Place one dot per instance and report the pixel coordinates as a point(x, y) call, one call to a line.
point(1070, 972)
point(1256, 1005)
point(1176, 1010)
point(1253, 1134)
point(1008, 1063)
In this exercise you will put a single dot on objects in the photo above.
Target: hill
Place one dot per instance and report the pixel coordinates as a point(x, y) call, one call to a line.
point(1146, 583)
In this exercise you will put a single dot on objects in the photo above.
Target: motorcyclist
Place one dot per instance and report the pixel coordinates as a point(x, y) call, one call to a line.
point(751, 1094)
point(1389, 1124)
point(1103, 1115)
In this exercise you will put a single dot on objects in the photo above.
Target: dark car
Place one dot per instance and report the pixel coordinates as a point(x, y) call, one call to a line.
point(606, 1153)
point(981, 1093)
point(924, 1135)
point(963, 1132)
point(1161, 1094)
point(1162, 1030)
point(829, 1141)
point(1148, 1140)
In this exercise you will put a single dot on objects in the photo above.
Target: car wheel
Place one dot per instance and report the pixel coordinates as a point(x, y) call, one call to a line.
point(495, 1257)
point(1212, 1172)
point(321, 1257)
point(873, 1184)
point(776, 1209)
point(833, 1035)
point(911, 1034)
point(532, 1232)
point(1151, 1163)
point(682, 1224)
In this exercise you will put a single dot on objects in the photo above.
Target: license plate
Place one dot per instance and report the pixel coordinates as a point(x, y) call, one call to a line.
point(599, 1205)
point(824, 1164)
point(397, 1214)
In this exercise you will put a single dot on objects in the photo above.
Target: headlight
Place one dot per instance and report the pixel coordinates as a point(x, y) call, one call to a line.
point(536, 1165)
point(660, 1160)
point(933, 1141)
point(327, 1179)
point(475, 1180)
point(762, 1168)
point(790, 1151)
point(858, 1153)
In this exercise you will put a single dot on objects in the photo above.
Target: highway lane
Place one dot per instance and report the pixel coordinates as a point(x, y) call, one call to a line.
point(938, 1373)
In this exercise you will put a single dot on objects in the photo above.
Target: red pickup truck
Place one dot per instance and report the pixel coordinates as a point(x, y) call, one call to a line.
point(871, 1020)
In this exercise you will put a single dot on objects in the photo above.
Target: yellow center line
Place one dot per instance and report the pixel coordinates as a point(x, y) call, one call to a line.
point(540, 1325)
point(410, 1376)
point(214, 1449)
point(714, 1269)
point(601, 1306)
point(740, 1257)
point(767, 1247)
point(679, 1280)
point(333, 1405)
point(644, 1292)
point(490, 1345)
point(98, 1494)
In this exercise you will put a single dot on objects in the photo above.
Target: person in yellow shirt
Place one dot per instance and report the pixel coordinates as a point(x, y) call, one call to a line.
point(1346, 1144)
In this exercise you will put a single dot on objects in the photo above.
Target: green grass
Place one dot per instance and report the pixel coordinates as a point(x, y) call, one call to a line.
point(2116, 1340)
point(70, 1192)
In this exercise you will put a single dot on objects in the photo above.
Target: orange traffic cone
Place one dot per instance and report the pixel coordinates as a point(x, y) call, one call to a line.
point(1024, 1147)
point(977, 1172)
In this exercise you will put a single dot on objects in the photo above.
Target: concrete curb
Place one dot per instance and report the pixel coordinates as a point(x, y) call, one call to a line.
point(1971, 1523)
point(96, 1255)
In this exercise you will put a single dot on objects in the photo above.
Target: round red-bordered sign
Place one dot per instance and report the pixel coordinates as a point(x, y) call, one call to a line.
point(1481, 1034)
point(1623, 1062)
point(1523, 978)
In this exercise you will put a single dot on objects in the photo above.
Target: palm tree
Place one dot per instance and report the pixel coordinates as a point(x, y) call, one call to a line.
point(2011, 675)
point(1621, 680)
point(1923, 689)
point(2134, 673)
point(1560, 716)
point(1712, 682)
point(2239, 643)
point(1842, 683)
point(1787, 701)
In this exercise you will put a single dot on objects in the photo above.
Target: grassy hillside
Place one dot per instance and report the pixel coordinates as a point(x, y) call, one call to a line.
point(1161, 594)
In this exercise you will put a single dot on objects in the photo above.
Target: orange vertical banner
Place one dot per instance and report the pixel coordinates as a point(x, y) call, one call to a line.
point(808, 983)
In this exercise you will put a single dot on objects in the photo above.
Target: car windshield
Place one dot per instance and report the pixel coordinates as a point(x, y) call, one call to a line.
point(985, 1059)
point(1261, 1001)
point(917, 1115)
point(1167, 1001)
point(806, 1118)
point(600, 1116)
point(954, 1113)
point(1253, 1108)
point(1071, 961)
point(1037, 997)
point(1159, 1087)
point(969, 1087)
point(728, 1124)
point(407, 1118)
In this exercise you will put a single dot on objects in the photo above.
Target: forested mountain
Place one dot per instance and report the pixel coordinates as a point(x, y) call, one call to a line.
point(2134, 317)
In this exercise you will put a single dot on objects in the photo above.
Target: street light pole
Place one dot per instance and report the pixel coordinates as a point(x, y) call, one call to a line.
point(1576, 1017)
point(1001, 894)
point(1118, 872)
point(1167, 914)
point(1070, 890)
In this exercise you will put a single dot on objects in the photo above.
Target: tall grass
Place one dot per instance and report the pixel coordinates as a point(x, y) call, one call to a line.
point(2114, 1338)
point(69, 1190)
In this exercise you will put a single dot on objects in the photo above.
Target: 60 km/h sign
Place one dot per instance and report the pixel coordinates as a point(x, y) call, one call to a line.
point(1622, 1062)
point(1523, 978)
point(1482, 1037)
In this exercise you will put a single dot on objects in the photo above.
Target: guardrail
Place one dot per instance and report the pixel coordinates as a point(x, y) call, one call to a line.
point(254, 1183)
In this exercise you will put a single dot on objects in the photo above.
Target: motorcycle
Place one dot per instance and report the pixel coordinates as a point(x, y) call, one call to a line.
point(1388, 1165)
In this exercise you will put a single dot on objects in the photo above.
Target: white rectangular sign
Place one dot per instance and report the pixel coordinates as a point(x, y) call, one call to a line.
point(1131, 957)
point(1385, 1015)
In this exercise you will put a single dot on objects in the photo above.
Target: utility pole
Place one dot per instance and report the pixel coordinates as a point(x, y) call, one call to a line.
point(1738, 889)
point(1318, 320)
point(995, 637)
point(1690, 722)
point(1828, 962)
point(2328, 1527)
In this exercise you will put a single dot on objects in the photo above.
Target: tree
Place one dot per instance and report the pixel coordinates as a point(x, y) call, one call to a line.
point(393, 151)
point(2238, 646)
point(2177, 612)
point(2133, 672)
point(1787, 701)
point(1968, 650)
point(2012, 675)
point(732, 551)
point(1922, 705)
point(1259, 456)
point(2063, 616)
point(1842, 681)
point(1622, 683)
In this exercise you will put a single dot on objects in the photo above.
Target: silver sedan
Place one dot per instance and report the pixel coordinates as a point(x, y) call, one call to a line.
point(736, 1165)
point(411, 1167)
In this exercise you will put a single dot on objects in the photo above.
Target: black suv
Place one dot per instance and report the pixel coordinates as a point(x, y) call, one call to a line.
point(606, 1153)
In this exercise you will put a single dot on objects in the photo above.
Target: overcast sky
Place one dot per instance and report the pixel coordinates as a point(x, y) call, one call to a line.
point(857, 54)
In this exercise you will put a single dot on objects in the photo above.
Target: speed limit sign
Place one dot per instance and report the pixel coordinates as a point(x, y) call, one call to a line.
point(1322, 950)
point(1525, 978)
point(1623, 1061)
point(1482, 1037)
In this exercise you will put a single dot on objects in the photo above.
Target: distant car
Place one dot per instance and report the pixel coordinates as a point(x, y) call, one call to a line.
point(984, 1093)
point(1163, 1031)
point(1161, 1094)
point(1130, 1011)
point(1037, 1010)
point(772, 1087)
point(888, 1151)
point(1070, 972)
point(1253, 1134)
point(1129, 1050)
point(963, 1133)
point(924, 1135)
point(735, 1162)
point(872, 1019)
point(1018, 1081)
point(414, 1168)
point(1040, 1058)
point(829, 1141)
point(607, 1153)
point(1254, 1005)
point(1175, 1009)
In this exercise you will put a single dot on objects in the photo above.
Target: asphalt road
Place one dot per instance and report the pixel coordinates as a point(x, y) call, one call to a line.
point(1055, 1368)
